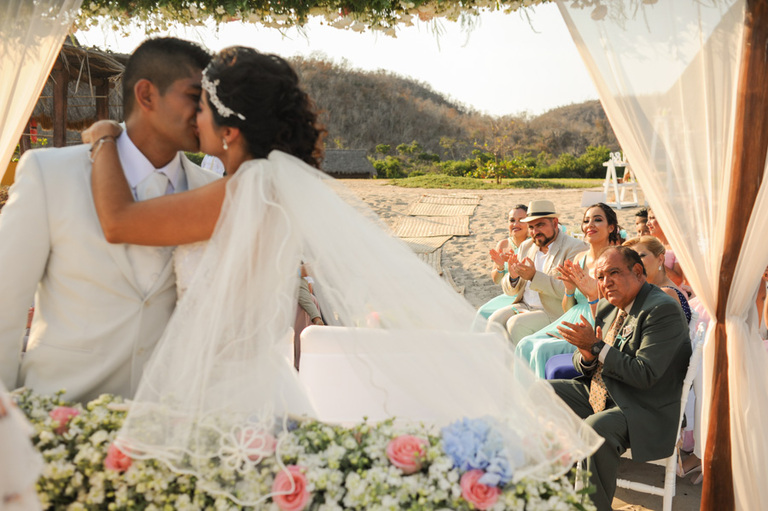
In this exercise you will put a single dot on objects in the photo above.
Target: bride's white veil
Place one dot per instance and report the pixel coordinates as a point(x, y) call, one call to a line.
point(218, 378)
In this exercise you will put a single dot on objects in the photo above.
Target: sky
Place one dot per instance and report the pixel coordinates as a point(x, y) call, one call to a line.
point(505, 64)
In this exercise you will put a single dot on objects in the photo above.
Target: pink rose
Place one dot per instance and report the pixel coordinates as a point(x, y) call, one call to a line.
point(116, 459)
point(257, 444)
point(406, 453)
point(480, 495)
point(291, 489)
point(62, 415)
point(373, 320)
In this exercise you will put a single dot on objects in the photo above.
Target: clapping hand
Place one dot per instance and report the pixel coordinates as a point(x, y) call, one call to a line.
point(572, 272)
point(581, 335)
point(499, 257)
point(564, 275)
point(525, 268)
point(512, 263)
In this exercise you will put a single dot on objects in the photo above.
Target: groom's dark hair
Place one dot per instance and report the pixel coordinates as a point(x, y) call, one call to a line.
point(162, 61)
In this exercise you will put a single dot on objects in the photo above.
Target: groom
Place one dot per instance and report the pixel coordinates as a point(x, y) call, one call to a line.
point(99, 308)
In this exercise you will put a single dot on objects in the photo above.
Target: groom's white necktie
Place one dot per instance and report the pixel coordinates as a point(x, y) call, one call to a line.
point(148, 262)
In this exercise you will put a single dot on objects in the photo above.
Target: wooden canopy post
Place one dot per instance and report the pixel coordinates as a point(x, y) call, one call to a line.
point(60, 76)
point(102, 99)
point(24, 142)
point(750, 144)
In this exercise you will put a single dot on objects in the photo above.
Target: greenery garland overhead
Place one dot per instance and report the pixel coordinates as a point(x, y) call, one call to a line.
point(357, 15)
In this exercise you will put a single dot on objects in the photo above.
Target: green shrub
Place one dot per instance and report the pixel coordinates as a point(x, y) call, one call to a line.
point(389, 167)
point(592, 161)
point(457, 168)
point(428, 157)
point(196, 158)
point(567, 166)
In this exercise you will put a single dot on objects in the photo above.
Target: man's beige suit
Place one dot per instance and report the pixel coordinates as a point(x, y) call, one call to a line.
point(545, 283)
point(94, 329)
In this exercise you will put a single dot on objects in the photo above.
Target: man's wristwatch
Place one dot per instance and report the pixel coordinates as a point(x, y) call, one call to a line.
point(597, 348)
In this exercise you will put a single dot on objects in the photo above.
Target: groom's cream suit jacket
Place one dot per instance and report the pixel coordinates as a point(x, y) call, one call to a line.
point(94, 328)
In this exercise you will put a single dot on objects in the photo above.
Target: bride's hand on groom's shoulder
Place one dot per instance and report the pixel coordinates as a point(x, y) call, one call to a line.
point(101, 129)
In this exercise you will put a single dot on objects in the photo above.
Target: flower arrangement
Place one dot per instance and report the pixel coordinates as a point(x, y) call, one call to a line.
point(370, 466)
point(358, 15)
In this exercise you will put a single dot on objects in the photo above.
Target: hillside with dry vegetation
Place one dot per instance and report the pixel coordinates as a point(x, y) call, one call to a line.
point(365, 109)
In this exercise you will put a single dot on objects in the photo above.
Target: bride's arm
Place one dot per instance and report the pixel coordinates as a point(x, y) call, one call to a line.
point(168, 220)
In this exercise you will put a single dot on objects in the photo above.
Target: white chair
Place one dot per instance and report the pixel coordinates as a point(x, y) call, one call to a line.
point(667, 492)
point(352, 373)
point(612, 183)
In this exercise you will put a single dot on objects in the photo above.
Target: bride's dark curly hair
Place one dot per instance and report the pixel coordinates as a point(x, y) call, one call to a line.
point(265, 90)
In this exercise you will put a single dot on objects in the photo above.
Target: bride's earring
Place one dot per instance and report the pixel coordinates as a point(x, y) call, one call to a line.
point(659, 267)
point(224, 143)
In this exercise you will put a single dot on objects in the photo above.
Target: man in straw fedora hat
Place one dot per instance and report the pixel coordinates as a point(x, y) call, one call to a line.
point(532, 275)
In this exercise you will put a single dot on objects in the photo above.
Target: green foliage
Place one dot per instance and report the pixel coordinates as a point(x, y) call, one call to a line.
point(566, 166)
point(155, 15)
point(428, 157)
point(457, 168)
point(593, 161)
point(196, 158)
point(390, 167)
point(589, 165)
point(383, 148)
point(409, 149)
point(412, 161)
point(467, 183)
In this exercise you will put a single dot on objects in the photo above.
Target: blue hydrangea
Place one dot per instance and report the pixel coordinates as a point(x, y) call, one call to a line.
point(479, 444)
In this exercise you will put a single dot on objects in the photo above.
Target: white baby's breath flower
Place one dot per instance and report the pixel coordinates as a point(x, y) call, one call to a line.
point(47, 436)
point(349, 443)
point(99, 437)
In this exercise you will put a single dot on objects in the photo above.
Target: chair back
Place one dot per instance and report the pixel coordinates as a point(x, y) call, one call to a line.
point(351, 373)
point(697, 344)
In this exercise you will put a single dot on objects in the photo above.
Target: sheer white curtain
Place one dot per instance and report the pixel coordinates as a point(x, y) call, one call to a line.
point(31, 34)
point(667, 75)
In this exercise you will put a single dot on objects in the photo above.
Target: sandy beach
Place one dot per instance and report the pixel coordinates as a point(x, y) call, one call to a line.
point(467, 259)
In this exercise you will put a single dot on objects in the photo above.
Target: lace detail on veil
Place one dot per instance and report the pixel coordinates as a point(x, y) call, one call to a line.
point(186, 260)
point(218, 395)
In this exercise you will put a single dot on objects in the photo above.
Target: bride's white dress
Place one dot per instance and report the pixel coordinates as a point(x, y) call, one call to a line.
point(219, 370)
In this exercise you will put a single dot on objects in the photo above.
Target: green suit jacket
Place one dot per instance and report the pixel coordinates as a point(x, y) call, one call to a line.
point(645, 369)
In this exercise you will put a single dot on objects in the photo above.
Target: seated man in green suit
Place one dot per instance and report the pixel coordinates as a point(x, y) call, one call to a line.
point(633, 366)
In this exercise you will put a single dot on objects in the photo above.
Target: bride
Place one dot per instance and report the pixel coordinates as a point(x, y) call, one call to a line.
point(217, 380)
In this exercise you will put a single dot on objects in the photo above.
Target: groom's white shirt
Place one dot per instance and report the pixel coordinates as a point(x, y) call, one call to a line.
point(137, 167)
point(94, 327)
point(147, 262)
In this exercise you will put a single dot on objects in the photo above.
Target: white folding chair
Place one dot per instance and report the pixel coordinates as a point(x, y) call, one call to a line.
point(667, 492)
point(352, 373)
point(611, 183)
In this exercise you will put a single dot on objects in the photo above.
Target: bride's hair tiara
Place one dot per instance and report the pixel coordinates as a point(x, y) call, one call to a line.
point(210, 88)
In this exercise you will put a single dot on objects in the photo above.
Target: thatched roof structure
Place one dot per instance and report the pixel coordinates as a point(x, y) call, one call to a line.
point(81, 105)
point(93, 89)
point(347, 163)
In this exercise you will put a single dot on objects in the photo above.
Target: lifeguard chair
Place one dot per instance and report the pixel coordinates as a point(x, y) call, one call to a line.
point(619, 185)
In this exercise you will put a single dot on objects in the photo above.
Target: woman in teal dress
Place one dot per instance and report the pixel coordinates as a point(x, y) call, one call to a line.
point(601, 229)
point(518, 232)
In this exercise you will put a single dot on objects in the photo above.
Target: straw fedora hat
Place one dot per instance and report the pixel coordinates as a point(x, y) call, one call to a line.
point(540, 209)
